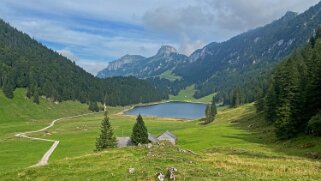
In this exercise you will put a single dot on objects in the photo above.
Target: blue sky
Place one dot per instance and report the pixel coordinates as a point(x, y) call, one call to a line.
point(95, 32)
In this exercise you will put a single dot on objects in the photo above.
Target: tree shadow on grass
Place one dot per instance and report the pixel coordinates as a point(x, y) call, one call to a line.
point(262, 132)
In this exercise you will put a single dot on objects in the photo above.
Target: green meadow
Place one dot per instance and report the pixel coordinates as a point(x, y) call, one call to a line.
point(187, 95)
point(169, 76)
point(21, 114)
point(238, 145)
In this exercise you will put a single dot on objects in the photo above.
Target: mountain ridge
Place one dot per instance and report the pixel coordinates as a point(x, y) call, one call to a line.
point(166, 58)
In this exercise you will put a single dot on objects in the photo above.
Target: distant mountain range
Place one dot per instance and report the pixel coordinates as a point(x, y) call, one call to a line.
point(167, 58)
point(226, 65)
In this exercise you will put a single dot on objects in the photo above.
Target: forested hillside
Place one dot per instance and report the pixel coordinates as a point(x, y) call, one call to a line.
point(293, 101)
point(242, 63)
point(25, 63)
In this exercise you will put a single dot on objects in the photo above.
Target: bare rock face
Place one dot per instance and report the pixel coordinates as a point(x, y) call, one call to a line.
point(171, 173)
point(131, 170)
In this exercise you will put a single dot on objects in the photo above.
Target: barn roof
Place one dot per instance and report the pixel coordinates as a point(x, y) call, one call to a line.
point(168, 133)
point(151, 138)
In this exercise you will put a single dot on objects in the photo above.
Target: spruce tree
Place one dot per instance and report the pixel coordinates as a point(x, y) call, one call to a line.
point(213, 108)
point(93, 106)
point(270, 104)
point(106, 138)
point(259, 103)
point(236, 99)
point(29, 92)
point(208, 114)
point(36, 96)
point(8, 89)
point(139, 134)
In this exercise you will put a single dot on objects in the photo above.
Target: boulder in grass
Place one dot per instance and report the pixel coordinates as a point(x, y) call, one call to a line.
point(171, 173)
point(131, 170)
point(160, 177)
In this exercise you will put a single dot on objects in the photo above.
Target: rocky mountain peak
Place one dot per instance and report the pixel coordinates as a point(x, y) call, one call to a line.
point(166, 50)
point(289, 15)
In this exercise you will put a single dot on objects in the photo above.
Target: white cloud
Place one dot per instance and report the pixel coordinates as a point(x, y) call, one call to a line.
point(92, 66)
point(185, 24)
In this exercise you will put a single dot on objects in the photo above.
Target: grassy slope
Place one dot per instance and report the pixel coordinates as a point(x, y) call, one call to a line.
point(187, 95)
point(19, 115)
point(169, 76)
point(238, 145)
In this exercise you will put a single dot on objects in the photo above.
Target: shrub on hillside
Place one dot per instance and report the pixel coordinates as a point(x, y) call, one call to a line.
point(314, 125)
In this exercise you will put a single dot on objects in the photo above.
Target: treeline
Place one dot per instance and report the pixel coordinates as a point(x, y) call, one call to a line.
point(240, 87)
point(25, 63)
point(293, 100)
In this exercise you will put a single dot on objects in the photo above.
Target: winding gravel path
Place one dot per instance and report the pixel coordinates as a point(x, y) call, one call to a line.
point(46, 156)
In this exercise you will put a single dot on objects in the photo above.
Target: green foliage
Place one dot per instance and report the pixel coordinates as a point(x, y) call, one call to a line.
point(93, 106)
point(270, 104)
point(260, 101)
point(25, 63)
point(247, 60)
point(294, 96)
point(213, 107)
point(36, 96)
point(236, 99)
point(140, 133)
point(314, 125)
point(8, 88)
point(210, 112)
point(106, 138)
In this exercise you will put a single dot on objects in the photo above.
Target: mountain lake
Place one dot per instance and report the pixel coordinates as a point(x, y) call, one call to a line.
point(177, 110)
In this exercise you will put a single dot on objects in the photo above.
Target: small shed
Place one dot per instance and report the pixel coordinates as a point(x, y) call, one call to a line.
point(124, 142)
point(152, 139)
point(167, 136)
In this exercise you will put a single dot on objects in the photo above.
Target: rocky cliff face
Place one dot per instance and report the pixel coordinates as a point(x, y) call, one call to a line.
point(167, 58)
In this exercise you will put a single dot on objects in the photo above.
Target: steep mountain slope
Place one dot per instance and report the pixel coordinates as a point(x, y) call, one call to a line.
point(121, 66)
point(25, 63)
point(223, 66)
point(166, 59)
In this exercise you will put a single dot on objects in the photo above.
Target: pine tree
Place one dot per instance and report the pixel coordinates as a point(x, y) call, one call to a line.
point(36, 96)
point(93, 106)
point(236, 99)
point(106, 138)
point(8, 88)
point(270, 104)
point(259, 103)
point(139, 134)
point(213, 108)
point(208, 114)
point(29, 92)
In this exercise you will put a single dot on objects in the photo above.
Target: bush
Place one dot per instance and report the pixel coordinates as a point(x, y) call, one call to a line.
point(314, 125)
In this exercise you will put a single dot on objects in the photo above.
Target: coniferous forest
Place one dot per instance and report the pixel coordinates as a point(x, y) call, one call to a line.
point(293, 99)
point(25, 63)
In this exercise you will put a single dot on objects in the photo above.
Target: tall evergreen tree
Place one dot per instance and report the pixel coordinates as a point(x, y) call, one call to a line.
point(93, 106)
point(36, 96)
point(213, 108)
point(236, 98)
point(106, 138)
point(8, 88)
point(208, 114)
point(140, 133)
point(293, 101)
point(270, 104)
point(259, 103)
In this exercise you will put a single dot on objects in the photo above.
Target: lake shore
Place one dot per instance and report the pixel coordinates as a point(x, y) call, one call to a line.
point(123, 112)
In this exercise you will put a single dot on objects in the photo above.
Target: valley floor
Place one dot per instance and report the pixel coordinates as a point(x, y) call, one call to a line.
point(239, 145)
